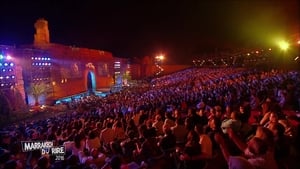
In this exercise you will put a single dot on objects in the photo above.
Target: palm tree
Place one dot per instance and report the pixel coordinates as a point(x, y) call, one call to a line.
point(126, 78)
point(38, 89)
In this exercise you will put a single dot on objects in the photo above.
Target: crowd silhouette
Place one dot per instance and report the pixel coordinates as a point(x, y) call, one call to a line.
point(193, 119)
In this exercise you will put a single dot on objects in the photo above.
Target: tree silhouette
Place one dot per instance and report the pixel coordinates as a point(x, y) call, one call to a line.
point(37, 90)
point(4, 104)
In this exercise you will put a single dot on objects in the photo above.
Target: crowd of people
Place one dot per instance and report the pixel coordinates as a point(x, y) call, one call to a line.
point(195, 118)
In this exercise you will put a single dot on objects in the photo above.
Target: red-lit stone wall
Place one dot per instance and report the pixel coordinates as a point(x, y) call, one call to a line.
point(99, 62)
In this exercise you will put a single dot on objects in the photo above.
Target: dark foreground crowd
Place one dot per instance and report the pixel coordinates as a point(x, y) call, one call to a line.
point(193, 119)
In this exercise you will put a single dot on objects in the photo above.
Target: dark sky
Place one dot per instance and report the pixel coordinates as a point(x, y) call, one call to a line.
point(180, 29)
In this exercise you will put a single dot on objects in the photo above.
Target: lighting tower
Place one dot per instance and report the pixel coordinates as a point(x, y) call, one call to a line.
point(7, 71)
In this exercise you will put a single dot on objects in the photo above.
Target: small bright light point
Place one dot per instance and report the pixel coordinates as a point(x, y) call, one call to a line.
point(298, 42)
point(8, 57)
point(248, 54)
point(257, 51)
point(296, 58)
point(283, 45)
point(1, 57)
point(160, 57)
point(270, 49)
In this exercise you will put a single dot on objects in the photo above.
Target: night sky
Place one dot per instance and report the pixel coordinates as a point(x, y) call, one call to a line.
point(180, 29)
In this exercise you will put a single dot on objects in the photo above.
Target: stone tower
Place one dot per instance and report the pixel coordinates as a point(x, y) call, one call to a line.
point(41, 35)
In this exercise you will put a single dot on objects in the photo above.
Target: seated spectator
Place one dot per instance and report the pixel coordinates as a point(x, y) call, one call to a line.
point(214, 126)
point(265, 111)
point(75, 146)
point(227, 112)
point(43, 163)
point(257, 156)
point(177, 113)
point(33, 158)
point(244, 113)
point(169, 119)
point(73, 162)
point(233, 123)
point(202, 117)
point(107, 135)
point(274, 119)
point(116, 148)
point(119, 131)
point(238, 162)
point(193, 118)
point(281, 144)
point(168, 141)
point(149, 152)
point(93, 158)
point(158, 123)
point(129, 145)
point(263, 137)
point(191, 152)
point(93, 141)
point(218, 112)
point(180, 131)
point(205, 143)
point(132, 127)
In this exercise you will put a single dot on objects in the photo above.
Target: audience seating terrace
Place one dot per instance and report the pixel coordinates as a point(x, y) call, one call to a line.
point(211, 100)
